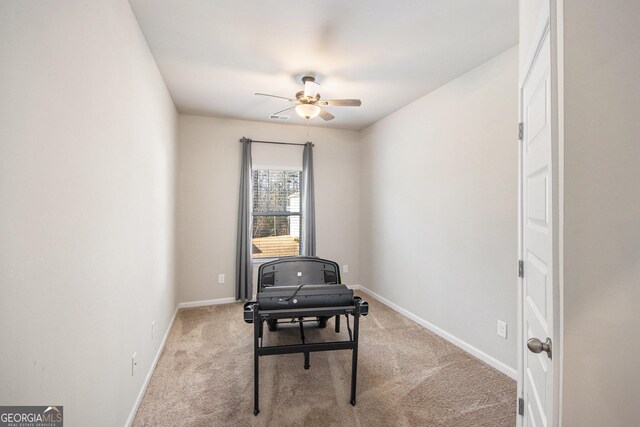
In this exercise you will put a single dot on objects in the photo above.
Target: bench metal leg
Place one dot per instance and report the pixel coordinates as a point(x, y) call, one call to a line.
point(306, 353)
point(354, 358)
point(256, 365)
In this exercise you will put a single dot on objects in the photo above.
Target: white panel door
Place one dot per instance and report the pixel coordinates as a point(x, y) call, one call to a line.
point(537, 240)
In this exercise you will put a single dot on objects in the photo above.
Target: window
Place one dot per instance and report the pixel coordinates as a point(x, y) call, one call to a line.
point(276, 213)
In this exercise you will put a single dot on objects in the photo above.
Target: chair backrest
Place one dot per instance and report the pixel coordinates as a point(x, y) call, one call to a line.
point(291, 271)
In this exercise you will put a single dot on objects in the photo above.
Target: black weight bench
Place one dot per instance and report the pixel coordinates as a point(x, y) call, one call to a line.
point(303, 289)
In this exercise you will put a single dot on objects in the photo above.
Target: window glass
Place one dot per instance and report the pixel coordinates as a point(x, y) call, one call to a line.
point(276, 213)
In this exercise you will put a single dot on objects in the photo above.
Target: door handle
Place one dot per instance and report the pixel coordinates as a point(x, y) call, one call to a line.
point(536, 346)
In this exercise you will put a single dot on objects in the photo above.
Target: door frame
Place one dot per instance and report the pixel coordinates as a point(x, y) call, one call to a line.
point(549, 22)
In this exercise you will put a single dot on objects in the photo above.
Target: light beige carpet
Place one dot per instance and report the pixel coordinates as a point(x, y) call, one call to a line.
point(407, 376)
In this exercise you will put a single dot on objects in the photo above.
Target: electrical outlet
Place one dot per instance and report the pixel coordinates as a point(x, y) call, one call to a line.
point(345, 268)
point(220, 278)
point(502, 329)
point(153, 329)
point(134, 363)
point(299, 273)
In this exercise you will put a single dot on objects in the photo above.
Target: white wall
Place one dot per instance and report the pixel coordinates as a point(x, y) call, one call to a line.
point(529, 12)
point(439, 202)
point(601, 213)
point(208, 171)
point(87, 132)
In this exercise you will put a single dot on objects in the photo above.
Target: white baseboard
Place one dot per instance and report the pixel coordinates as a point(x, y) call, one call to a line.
point(205, 302)
point(354, 287)
point(489, 360)
point(152, 368)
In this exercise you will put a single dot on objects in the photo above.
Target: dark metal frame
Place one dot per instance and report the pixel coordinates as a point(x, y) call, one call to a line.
point(258, 317)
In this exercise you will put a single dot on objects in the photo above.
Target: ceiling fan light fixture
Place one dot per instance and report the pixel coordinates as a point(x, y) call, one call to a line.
point(308, 111)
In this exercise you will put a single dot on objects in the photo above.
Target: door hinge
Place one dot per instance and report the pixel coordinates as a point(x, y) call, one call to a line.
point(520, 268)
point(520, 406)
point(520, 131)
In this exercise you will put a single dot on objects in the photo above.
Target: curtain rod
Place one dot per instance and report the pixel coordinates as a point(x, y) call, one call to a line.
point(243, 139)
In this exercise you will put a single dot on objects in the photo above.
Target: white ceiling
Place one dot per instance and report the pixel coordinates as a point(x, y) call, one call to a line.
point(214, 54)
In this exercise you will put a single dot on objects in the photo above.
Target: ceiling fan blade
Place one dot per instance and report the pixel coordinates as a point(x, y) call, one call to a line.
point(341, 102)
point(274, 96)
point(326, 115)
point(282, 111)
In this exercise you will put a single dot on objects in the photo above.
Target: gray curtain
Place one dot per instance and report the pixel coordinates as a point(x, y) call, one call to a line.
point(308, 203)
point(244, 266)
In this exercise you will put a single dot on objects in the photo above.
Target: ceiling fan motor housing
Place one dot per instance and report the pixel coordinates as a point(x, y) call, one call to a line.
point(305, 99)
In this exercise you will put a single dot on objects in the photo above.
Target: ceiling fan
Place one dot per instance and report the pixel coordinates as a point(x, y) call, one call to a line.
point(308, 102)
